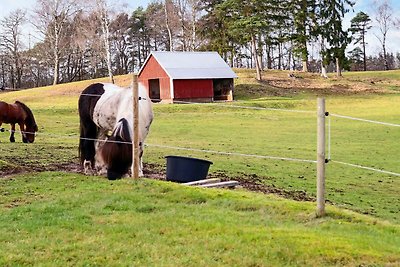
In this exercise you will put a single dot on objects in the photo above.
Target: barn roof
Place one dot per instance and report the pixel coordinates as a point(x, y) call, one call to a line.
point(192, 65)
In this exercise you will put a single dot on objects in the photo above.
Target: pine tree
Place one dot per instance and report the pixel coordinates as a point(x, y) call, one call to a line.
point(360, 24)
point(356, 58)
point(303, 12)
point(213, 27)
point(330, 16)
point(248, 19)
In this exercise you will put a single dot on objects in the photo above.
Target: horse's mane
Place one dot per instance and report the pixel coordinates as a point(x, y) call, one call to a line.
point(30, 119)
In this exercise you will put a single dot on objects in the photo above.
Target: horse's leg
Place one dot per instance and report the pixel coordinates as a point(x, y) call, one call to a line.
point(22, 128)
point(87, 150)
point(99, 165)
point(12, 138)
point(140, 159)
point(130, 172)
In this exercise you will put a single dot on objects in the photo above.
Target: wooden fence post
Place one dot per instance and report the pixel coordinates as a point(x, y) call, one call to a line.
point(320, 157)
point(135, 130)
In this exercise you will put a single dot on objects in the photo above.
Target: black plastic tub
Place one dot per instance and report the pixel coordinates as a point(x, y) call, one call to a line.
point(185, 169)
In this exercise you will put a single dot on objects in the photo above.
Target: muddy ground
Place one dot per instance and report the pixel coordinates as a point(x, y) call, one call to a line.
point(153, 171)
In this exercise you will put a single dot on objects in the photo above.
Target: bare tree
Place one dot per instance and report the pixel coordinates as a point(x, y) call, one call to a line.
point(11, 42)
point(188, 13)
point(168, 6)
point(103, 11)
point(119, 30)
point(384, 19)
point(182, 8)
point(51, 18)
point(193, 18)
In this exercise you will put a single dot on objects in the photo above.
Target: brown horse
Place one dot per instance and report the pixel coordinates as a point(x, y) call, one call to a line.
point(21, 114)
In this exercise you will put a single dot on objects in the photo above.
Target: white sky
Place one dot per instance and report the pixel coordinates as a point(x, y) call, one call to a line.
point(367, 6)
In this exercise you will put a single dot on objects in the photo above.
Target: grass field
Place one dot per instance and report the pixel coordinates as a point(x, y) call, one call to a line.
point(59, 219)
point(216, 127)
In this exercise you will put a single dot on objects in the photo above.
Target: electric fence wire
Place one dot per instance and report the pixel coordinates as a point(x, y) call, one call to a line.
point(169, 147)
point(351, 164)
point(252, 155)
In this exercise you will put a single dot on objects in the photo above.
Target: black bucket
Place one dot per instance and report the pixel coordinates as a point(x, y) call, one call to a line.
point(185, 169)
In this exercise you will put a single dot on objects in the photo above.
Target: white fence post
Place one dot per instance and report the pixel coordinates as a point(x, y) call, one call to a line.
point(320, 157)
point(135, 130)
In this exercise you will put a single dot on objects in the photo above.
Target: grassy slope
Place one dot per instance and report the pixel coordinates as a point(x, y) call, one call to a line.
point(63, 219)
point(356, 189)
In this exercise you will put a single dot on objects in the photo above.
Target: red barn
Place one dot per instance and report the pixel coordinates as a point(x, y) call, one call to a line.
point(187, 76)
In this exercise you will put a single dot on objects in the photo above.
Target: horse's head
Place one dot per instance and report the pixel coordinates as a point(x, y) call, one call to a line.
point(28, 136)
point(30, 133)
point(117, 151)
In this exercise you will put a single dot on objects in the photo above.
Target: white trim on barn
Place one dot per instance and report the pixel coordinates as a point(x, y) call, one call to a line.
point(171, 84)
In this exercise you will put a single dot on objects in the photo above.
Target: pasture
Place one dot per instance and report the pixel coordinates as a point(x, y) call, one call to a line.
point(71, 199)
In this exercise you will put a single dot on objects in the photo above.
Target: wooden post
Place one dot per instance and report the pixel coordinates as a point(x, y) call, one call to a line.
point(321, 157)
point(135, 130)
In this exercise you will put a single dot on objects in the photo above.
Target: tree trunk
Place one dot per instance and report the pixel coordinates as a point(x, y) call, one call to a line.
point(304, 56)
point(106, 34)
point(56, 53)
point(364, 54)
point(269, 57)
point(384, 56)
point(323, 66)
point(3, 74)
point(305, 65)
point(255, 56)
point(193, 48)
point(323, 70)
point(56, 67)
point(338, 68)
point(279, 56)
point(168, 27)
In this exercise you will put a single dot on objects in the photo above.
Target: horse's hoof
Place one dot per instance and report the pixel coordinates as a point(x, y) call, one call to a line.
point(87, 168)
point(12, 139)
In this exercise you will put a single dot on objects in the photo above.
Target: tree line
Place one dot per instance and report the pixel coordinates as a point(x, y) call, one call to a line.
point(79, 41)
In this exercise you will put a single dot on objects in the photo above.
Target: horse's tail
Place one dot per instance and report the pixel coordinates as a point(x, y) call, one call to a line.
point(88, 129)
point(117, 151)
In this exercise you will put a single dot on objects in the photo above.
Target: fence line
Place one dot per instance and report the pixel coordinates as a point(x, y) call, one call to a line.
point(247, 107)
point(225, 105)
point(351, 164)
point(171, 147)
point(248, 155)
point(365, 120)
point(232, 153)
point(366, 168)
point(67, 136)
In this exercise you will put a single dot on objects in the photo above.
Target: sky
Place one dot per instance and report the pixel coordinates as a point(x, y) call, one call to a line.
point(6, 6)
point(367, 6)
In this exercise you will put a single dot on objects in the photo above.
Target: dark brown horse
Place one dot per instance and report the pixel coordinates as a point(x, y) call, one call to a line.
point(19, 113)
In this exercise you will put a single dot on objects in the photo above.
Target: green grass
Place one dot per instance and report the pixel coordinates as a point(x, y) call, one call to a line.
point(260, 132)
point(61, 219)
point(52, 217)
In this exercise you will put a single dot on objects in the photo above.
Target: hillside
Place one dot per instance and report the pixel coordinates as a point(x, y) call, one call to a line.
point(288, 83)
point(277, 83)
point(53, 215)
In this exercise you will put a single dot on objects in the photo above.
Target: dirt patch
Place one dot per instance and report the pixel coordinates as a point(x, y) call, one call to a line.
point(249, 182)
point(153, 171)
point(256, 183)
point(285, 83)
